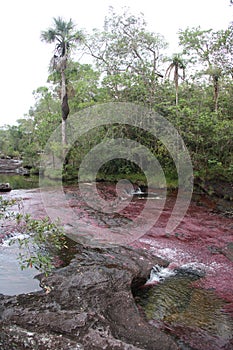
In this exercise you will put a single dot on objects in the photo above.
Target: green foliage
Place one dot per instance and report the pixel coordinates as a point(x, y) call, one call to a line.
point(42, 241)
point(64, 34)
point(127, 53)
point(129, 62)
point(4, 208)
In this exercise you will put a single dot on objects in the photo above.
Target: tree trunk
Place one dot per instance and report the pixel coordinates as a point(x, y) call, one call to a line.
point(63, 133)
point(64, 106)
point(176, 78)
point(216, 92)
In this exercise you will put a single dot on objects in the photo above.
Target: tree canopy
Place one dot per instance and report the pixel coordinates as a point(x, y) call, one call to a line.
point(130, 63)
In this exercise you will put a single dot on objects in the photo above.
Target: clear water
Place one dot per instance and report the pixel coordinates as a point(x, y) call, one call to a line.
point(19, 181)
point(195, 315)
point(12, 279)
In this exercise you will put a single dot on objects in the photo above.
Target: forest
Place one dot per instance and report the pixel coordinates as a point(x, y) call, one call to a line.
point(192, 89)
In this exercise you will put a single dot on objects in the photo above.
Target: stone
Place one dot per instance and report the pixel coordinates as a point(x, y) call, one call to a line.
point(5, 187)
point(12, 166)
point(88, 304)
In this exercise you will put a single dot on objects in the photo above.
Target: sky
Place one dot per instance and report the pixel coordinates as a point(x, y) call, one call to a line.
point(24, 59)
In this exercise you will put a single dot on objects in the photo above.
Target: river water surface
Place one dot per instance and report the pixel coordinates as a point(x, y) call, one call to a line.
point(192, 299)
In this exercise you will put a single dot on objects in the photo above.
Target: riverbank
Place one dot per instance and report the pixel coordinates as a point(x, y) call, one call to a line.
point(203, 240)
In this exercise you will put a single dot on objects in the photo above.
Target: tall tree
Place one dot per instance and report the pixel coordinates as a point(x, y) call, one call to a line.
point(66, 37)
point(224, 50)
point(128, 54)
point(176, 65)
point(202, 46)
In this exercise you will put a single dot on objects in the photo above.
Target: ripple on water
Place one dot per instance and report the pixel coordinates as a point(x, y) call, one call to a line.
point(195, 315)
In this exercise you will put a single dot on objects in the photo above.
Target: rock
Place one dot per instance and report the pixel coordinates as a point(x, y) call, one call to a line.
point(218, 188)
point(228, 251)
point(190, 272)
point(5, 187)
point(87, 305)
point(8, 165)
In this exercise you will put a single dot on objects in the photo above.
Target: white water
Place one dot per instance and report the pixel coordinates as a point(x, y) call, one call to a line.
point(7, 242)
point(159, 274)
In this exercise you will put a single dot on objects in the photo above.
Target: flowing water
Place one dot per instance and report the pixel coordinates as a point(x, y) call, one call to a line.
point(192, 297)
point(194, 315)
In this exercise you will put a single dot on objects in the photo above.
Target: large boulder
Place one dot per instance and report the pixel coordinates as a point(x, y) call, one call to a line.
point(88, 304)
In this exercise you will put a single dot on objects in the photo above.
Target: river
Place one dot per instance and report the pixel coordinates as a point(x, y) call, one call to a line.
point(13, 280)
point(192, 298)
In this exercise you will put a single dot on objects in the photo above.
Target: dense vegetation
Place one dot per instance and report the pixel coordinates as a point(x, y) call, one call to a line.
point(193, 89)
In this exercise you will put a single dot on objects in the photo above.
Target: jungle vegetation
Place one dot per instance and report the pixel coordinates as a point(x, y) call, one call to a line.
point(192, 88)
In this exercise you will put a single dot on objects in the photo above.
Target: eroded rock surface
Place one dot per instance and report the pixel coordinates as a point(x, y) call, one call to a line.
point(11, 166)
point(86, 305)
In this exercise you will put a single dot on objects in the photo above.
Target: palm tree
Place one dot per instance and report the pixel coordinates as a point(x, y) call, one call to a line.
point(65, 37)
point(215, 74)
point(176, 65)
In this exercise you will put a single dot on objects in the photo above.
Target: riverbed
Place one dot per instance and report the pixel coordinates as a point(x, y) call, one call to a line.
point(198, 311)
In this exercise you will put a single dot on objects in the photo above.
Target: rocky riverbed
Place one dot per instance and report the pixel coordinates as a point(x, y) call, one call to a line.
point(91, 304)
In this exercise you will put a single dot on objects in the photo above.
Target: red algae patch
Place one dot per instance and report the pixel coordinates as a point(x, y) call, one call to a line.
point(203, 240)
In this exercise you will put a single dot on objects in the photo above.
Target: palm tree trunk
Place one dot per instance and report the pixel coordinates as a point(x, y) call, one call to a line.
point(63, 133)
point(176, 79)
point(64, 106)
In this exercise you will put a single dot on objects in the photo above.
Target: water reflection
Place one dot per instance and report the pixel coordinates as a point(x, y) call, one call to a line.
point(12, 279)
point(19, 181)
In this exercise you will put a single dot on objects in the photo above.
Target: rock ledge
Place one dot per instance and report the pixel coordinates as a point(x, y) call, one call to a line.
point(86, 305)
